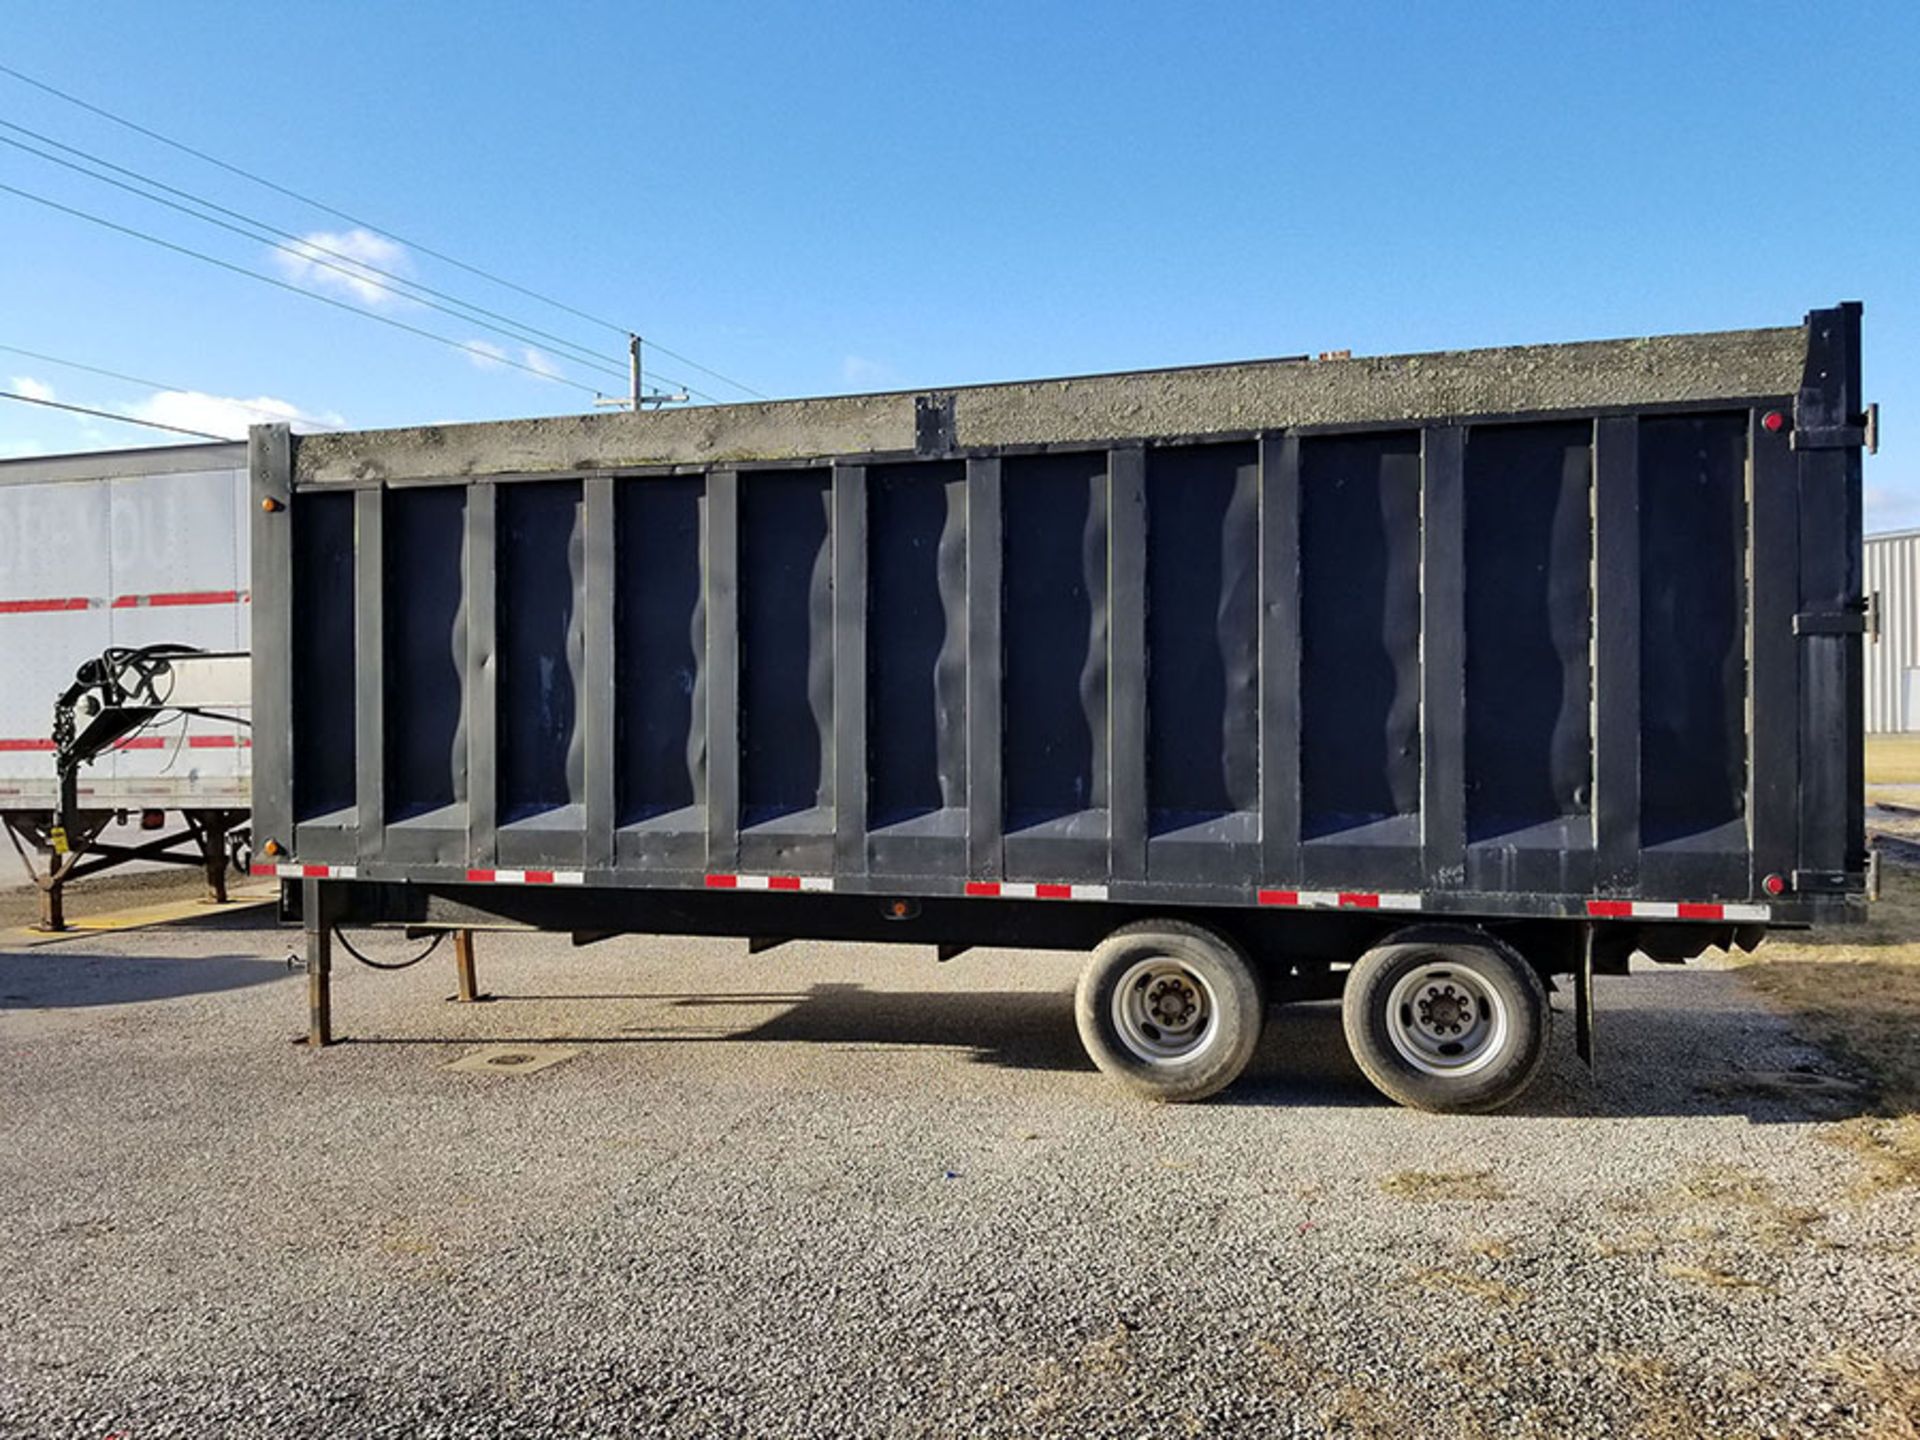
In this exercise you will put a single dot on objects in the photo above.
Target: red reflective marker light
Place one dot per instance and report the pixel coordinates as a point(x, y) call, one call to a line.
point(1774, 884)
point(1774, 422)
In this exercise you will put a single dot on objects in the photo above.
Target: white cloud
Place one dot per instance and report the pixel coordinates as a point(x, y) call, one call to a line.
point(31, 388)
point(485, 355)
point(224, 415)
point(868, 374)
point(19, 449)
point(342, 261)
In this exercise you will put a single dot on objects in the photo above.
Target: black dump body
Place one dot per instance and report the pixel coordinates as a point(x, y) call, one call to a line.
point(1563, 639)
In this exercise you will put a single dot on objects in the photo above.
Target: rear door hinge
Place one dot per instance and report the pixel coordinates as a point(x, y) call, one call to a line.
point(1860, 618)
point(1828, 882)
point(1862, 431)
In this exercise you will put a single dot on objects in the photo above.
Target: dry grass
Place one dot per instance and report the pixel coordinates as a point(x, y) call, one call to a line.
point(1893, 759)
point(1894, 1390)
point(1634, 1242)
point(1856, 991)
point(1712, 1273)
point(1494, 1292)
point(1490, 1247)
point(1429, 1185)
point(1889, 1146)
point(1725, 1185)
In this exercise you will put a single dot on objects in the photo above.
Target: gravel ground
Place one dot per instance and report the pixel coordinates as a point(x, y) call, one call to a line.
point(846, 1191)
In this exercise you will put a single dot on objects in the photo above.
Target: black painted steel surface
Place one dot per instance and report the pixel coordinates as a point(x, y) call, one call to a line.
point(1534, 664)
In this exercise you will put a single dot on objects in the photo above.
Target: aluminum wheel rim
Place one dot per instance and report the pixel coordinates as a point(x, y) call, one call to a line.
point(1163, 1011)
point(1444, 1019)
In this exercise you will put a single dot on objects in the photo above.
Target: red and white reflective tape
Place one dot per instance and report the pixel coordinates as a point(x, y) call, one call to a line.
point(1339, 900)
point(1675, 910)
point(180, 597)
point(308, 872)
point(769, 882)
point(526, 877)
point(61, 604)
point(139, 742)
point(1029, 890)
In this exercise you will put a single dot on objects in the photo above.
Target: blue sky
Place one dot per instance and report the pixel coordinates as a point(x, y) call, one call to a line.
point(837, 197)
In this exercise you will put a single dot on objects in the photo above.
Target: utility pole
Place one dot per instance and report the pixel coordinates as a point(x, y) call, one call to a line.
point(637, 397)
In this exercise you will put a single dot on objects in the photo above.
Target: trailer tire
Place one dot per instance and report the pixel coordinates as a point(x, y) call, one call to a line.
point(1446, 1019)
point(1170, 1010)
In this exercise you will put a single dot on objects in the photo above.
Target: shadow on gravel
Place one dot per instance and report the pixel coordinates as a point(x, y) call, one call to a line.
point(59, 978)
point(1655, 1060)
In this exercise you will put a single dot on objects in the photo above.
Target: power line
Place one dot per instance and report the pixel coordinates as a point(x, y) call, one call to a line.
point(353, 269)
point(365, 224)
point(152, 384)
point(463, 347)
point(108, 415)
point(298, 251)
point(303, 248)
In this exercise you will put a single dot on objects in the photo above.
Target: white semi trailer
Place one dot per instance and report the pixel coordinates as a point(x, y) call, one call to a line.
point(116, 561)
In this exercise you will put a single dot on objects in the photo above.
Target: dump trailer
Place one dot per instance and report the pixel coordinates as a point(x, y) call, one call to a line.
point(1422, 681)
point(113, 564)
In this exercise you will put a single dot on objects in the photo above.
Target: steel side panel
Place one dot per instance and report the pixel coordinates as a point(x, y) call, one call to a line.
point(1443, 657)
point(597, 692)
point(271, 582)
point(1127, 665)
point(369, 643)
point(1077, 758)
point(482, 849)
point(984, 593)
point(1616, 650)
point(1279, 658)
point(723, 671)
point(850, 739)
point(1774, 763)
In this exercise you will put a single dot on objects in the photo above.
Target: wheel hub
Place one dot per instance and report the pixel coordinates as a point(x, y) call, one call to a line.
point(1173, 1002)
point(1162, 1011)
point(1446, 1019)
point(1444, 1011)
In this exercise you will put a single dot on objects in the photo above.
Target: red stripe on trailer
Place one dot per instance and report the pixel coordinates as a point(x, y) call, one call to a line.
point(1702, 912)
point(265, 870)
point(1053, 892)
point(49, 606)
point(723, 882)
point(987, 888)
point(1610, 909)
point(539, 877)
point(1352, 901)
point(177, 597)
point(26, 745)
point(480, 877)
point(314, 872)
point(1279, 897)
point(783, 882)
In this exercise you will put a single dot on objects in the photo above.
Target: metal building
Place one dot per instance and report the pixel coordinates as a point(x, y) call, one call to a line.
point(1892, 572)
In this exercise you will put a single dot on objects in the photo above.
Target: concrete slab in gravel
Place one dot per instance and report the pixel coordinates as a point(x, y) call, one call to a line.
point(512, 1059)
point(842, 1190)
